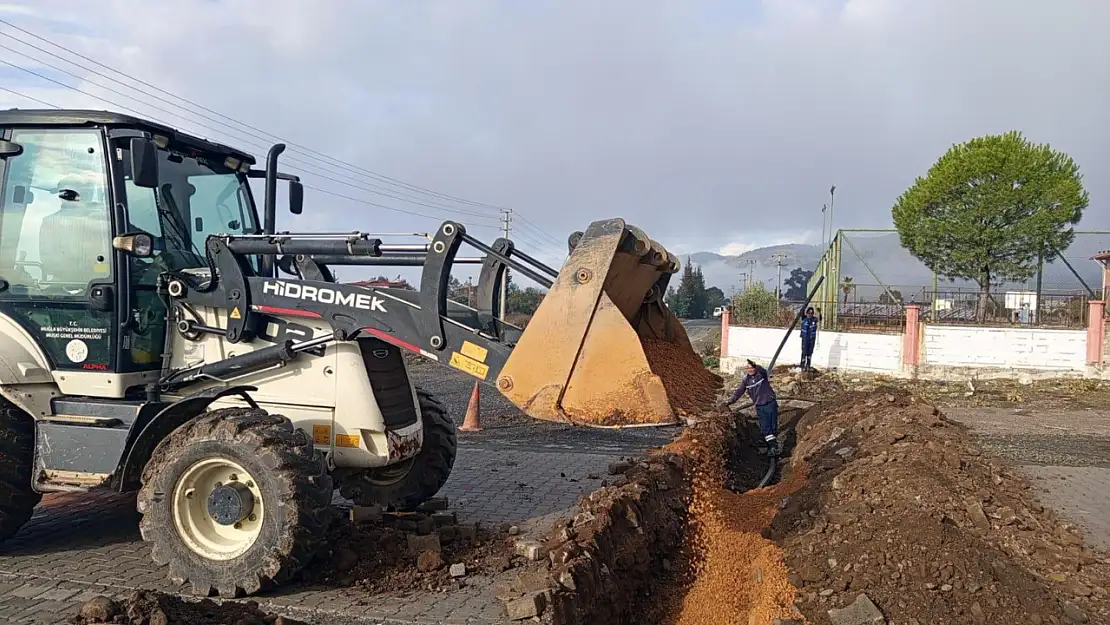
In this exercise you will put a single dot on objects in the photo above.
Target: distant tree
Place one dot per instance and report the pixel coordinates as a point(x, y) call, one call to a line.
point(988, 210)
point(714, 298)
point(677, 302)
point(885, 298)
point(755, 305)
point(457, 291)
point(847, 286)
point(691, 297)
point(797, 284)
point(523, 301)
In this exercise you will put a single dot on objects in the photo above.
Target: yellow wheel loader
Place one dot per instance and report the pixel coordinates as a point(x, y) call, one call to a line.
point(155, 337)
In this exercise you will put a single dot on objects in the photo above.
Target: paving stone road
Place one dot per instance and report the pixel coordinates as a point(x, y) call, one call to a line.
point(81, 545)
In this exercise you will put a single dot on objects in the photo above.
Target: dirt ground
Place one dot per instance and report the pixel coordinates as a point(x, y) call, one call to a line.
point(903, 505)
point(152, 608)
point(391, 555)
point(884, 505)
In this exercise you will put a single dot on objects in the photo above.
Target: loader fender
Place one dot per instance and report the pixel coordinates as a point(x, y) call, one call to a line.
point(24, 368)
point(145, 437)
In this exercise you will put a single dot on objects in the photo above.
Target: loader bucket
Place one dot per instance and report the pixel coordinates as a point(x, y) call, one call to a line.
point(582, 357)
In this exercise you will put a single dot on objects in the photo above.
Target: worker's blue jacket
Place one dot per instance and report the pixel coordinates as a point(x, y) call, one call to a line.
point(757, 386)
point(809, 328)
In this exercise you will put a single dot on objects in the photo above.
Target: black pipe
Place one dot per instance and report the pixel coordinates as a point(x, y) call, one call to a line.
point(269, 214)
point(398, 260)
point(236, 365)
point(512, 263)
point(542, 267)
point(801, 311)
point(310, 247)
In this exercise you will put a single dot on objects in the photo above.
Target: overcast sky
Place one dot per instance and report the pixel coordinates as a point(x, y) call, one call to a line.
point(713, 125)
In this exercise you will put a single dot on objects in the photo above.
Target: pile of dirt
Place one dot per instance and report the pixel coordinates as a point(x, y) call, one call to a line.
point(153, 608)
point(690, 387)
point(408, 552)
point(904, 509)
point(600, 564)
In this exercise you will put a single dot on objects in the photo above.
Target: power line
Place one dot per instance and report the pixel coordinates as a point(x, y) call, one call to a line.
point(325, 191)
point(541, 237)
point(32, 98)
point(312, 167)
point(373, 174)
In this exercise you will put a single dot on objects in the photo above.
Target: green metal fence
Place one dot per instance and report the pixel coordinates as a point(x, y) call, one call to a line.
point(870, 277)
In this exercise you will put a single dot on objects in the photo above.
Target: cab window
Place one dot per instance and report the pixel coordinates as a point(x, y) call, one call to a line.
point(55, 225)
point(196, 197)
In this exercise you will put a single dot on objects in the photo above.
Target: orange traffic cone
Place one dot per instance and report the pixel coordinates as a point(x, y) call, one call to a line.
point(470, 423)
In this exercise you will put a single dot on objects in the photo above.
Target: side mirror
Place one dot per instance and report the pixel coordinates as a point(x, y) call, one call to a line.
point(296, 197)
point(137, 244)
point(9, 149)
point(144, 163)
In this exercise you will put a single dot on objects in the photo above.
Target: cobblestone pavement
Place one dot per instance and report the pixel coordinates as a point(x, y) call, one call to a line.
point(1066, 452)
point(81, 545)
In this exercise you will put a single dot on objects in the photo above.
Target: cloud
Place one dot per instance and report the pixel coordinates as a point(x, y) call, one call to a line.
point(691, 120)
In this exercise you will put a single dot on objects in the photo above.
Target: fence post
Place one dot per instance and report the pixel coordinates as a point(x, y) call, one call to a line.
point(911, 337)
point(1095, 331)
point(724, 333)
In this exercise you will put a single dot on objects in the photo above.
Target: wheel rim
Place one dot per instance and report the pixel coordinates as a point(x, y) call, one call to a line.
point(388, 476)
point(216, 480)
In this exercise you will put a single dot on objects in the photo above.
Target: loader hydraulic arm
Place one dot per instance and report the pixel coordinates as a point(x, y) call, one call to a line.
point(584, 357)
point(424, 321)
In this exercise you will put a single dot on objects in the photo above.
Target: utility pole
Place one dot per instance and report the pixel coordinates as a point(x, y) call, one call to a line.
point(778, 257)
point(751, 271)
point(506, 219)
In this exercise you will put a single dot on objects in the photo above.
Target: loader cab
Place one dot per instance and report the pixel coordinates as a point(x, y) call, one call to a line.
point(68, 189)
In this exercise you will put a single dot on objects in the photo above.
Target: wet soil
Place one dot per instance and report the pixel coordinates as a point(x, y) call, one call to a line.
point(903, 505)
point(690, 387)
point(394, 555)
point(884, 498)
point(153, 608)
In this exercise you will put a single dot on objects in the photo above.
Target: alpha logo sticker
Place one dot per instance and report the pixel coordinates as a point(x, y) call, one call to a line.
point(324, 295)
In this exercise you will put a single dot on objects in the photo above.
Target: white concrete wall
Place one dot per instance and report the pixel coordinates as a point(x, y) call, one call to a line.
point(862, 351)
point(1008, 348)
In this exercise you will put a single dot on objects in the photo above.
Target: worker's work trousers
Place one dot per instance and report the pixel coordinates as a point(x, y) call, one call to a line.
point(807, 351)
point(769, 422)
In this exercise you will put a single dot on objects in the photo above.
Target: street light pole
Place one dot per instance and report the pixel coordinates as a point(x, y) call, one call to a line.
point(832, 205)
point(824, 219)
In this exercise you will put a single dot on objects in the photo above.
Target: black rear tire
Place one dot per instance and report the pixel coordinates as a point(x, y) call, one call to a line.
point(17, 454)
point(409, 484)
point(288, 475)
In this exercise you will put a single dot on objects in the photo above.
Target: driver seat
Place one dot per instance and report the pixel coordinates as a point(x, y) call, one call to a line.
point(75, 242)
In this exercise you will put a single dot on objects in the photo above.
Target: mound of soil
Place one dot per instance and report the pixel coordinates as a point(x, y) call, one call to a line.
point(153, 608)
point(395, 554)
point(690, 387)
point(902, 505)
